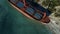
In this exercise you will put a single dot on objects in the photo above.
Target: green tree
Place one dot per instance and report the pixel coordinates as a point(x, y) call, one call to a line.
point(51, 4)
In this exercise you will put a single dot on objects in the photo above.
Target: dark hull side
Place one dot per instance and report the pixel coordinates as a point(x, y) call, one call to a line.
point(30, 14)
point(24, 11)
point(39, 7)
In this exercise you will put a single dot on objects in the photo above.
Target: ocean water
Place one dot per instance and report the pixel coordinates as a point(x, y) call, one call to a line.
point(14, 22)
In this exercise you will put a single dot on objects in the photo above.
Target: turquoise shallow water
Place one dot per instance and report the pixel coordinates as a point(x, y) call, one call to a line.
point(13, 22)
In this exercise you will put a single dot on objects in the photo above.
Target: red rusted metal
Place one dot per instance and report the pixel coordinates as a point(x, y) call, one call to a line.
point(45, 18)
